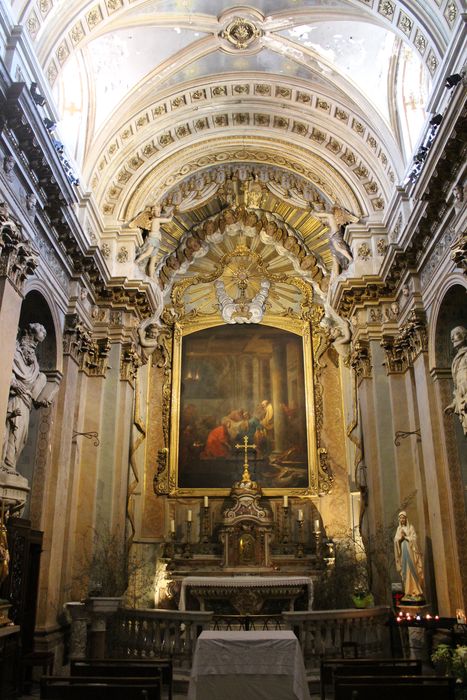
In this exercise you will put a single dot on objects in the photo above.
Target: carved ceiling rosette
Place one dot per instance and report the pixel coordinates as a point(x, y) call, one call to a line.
point(240, 33)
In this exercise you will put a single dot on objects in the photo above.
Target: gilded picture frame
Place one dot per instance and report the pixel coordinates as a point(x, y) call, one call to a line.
point(207, 422)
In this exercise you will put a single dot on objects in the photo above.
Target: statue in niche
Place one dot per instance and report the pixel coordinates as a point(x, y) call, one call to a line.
point(150, 219)
point(27, 389)
point(409, 562)
point(459, 376)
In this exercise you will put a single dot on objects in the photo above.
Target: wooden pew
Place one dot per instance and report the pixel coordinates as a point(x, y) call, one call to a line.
point(391, 687)
point(143, 668)
point(365, 667)
point(76, 688)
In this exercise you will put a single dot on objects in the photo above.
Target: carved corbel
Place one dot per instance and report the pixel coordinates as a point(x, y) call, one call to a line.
point(18, 259)
point(459, 252)
point(360, 360)
point(129, 363)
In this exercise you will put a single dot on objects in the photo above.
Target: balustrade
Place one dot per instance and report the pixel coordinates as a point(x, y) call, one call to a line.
point(322, 632)
point(173, 633)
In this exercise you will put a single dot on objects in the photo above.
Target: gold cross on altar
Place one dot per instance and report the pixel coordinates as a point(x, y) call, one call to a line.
point(246, 447)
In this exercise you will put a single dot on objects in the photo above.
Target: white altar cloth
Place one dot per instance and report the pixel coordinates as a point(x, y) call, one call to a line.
point(248, 665)
point(247, 581)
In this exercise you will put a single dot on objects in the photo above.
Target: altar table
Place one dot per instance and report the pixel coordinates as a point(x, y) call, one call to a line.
point(248, 666)
point(273, 586)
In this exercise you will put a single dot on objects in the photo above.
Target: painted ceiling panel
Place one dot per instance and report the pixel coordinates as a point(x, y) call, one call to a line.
point(359, 50)
point(218, 63)
point(119, 61)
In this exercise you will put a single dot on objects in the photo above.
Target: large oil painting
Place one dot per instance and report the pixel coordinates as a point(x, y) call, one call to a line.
point(238, 381)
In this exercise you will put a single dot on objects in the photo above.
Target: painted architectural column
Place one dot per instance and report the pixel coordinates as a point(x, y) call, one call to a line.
point(279, 396)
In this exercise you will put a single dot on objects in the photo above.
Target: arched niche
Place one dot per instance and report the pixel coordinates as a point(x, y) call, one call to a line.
point(36, 309)
point(452, 312)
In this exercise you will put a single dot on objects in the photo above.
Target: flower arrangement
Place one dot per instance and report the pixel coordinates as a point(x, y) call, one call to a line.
point(453, 662)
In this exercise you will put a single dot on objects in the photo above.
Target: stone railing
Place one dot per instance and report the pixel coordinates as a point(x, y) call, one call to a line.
point(323, 632)
point(128, 633)
point(156, 633)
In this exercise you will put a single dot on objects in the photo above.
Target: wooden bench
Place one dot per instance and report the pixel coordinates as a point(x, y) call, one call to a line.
point(391, 687)
point(121, 668)
point(365, 667)
point(107, 688)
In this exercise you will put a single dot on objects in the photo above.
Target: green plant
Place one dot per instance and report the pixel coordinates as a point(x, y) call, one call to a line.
point(452, 661)
point(442, 658)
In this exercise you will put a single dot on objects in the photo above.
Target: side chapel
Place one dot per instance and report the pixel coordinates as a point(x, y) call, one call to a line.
point(232, 310)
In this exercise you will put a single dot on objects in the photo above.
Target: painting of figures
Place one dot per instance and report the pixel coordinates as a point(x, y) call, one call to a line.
point(237, 381)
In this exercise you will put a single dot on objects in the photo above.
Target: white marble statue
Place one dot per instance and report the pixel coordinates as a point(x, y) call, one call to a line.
point(26, 390)
point(409, 562)
point(459, 376)
point(335, 220)
point(149, 249)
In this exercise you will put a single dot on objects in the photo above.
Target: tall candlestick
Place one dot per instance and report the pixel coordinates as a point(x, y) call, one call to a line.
point(172, 526)
point(206, 501)
point(300, 516)
point(189, 516)
point(285, 502)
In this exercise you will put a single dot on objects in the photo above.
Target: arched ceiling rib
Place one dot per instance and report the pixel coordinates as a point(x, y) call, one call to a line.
point(168, 82)
point(153, 183)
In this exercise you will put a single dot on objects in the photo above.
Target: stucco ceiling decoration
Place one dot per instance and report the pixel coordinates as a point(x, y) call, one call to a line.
point(153, 185)
point(58, 32)
point(309, 119)
point(236, 254)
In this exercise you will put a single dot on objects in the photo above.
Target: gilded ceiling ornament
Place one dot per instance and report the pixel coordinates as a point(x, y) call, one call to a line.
point(241, 33)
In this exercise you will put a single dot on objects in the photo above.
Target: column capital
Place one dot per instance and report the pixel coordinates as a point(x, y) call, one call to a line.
point(76, 338)
point(18, 259)
point(360, 359)
point(130, 361)
point(94, 361)
point(459, 252)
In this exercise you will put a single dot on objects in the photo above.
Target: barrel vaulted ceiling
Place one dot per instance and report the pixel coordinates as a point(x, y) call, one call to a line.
point(153, 93)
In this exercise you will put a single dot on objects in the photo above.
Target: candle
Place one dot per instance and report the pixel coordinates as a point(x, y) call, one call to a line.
point(189, 516)
point(316, 527)
point(300, 515)
point(172, 526)
point(206, 501)
point(285, 502)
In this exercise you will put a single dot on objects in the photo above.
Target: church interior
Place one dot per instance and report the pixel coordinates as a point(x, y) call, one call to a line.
point(233, 321)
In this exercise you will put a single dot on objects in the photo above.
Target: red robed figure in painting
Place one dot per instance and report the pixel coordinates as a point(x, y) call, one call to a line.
point(217, 443)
